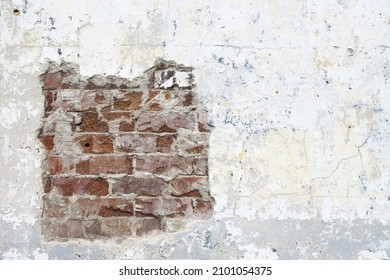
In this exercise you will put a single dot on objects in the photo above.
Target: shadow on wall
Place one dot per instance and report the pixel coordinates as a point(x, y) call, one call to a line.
point(123, 158)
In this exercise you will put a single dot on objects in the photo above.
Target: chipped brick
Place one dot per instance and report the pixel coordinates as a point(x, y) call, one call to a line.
point(164, 122)
point(146, 226)
point(95, 143)
point(130, 101)
point(90, 122)
point(68, 186)
point(148, 186)
point(106, 164)
point(163, 207)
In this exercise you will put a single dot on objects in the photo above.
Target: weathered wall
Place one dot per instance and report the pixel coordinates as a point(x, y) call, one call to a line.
point(298, 93)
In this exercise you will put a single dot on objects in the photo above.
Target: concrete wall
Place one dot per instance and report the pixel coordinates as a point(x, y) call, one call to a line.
point(299, 95)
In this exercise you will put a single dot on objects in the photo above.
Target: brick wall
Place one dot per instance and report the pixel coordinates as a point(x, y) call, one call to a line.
point(122, 158)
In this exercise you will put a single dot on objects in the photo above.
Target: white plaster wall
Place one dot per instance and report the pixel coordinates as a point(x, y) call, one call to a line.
point(298, 92)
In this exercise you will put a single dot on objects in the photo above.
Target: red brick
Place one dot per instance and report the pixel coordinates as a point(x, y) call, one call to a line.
point(188, 99)
point(158, 131)
point(58, 208)
point(191, 144)
point(143, 143)
point(104, 164)
point(164, 122)
point(127, 126)
point(70, 79)
point(117, 208)
point(47, 141)
point(147, 226)
point(68, 186)
point(52, 80)
point(95, 143)
point(50, 97)
point(188, 186)
point(163, 207)
point(116, 227)
point(172, 165)
point(169, 99)
point(164, 143)
point(90, 122)
point(130, 101)
point(47, 183)
point(203, 126)
point(114, 116)
point(106, 86)
point(148, 186)
point(154, 107)
point(54, 164)
point(203, 207)
point(104, 207)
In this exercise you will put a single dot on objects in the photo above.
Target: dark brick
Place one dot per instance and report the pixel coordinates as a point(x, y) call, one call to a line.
point(90, 122)
point(127, 126)
point(68, 186)
point(92, 228)
point(116, 227)
point(147, 226)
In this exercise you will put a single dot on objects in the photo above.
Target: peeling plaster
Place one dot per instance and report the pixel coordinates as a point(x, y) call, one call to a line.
point(298, 95)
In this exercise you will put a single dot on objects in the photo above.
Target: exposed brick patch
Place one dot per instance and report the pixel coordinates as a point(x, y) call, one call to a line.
point(122, 158)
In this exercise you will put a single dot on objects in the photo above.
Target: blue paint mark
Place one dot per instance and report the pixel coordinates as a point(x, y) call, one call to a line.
point(247, 65)
point(175, 26)
point(257, 18)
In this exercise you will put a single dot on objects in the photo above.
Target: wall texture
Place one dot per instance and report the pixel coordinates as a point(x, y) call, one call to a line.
point(122, 158)
point(298, 95)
